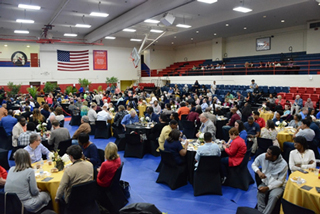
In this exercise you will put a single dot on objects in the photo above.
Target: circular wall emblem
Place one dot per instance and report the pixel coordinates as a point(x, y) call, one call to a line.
point(19, 58)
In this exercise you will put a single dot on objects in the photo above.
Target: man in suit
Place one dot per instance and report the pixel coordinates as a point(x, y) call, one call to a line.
point(206, 126)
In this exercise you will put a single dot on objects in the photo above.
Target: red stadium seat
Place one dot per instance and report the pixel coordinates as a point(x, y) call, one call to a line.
point(305, 96)
point(315, 97)
point(301, 90)
point(310, 90)
point(290, 96)
point(317, 90)
point(295, 94)
point(293, 89)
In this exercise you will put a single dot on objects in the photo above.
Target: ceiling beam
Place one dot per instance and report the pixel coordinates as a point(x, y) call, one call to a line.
point(138, 14)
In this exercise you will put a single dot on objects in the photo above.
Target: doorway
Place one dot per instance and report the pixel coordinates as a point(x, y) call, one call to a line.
point(125, 83)
point(35, 84)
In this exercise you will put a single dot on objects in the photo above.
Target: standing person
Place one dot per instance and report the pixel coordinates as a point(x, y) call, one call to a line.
point(252, 86)
point(22, 181)
point(210, 148)
point(213, 87)
point(79, 172)
point(273, 176)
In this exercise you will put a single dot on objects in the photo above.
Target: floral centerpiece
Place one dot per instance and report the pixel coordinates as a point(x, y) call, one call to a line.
point(148, 119)
point(59, 161)
point(264, 108)
point(281, 125)
point(142, 119)
point(201, 137)
point(42, 127)
point(111, 110)
point(174, 107)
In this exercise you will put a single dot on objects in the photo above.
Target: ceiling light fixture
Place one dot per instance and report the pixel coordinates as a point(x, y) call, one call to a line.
point(70, 34)
point(135, 40)
point(5, 45)
point(110, 37)
point(21, 31)
point(27, 21)
point(156, 31)
point(197, 31)
point(28, 6)
point(28, 46)
point(99, 14)
point(242, 9)
point(227, 25)
point(282, 21)
point(151, 21)
point(264, 17)
point(129, 30)
point(245, 28)
point(183, 26)
point(172, 43)
point(174, 37)
point(214, 34)
point(208, 1)
point(83, 26)
point(191, 38)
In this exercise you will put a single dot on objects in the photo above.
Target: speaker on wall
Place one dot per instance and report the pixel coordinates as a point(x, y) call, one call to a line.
point(167, 19)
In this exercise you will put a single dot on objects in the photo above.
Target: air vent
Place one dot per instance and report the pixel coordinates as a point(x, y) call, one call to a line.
point(314, 25)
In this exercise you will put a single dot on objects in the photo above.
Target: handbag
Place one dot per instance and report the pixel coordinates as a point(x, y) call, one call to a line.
point(125, 188)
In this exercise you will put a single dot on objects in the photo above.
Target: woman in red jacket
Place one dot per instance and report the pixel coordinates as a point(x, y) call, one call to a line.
point(236, 151)
point(3, 178)
point(110, 166)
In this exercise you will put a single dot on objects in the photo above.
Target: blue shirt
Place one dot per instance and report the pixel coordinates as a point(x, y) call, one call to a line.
point(129, 120)
point(253, 129)
point(208, 149)
point(316, 130)
point(8, 123)
point(154, 117)
point(81, 90)
point(91, 152)
point(299, 102)
point(318, 115)
point(174, 148)
point(243, 134)
point(302, 115)
point(36, 154)
point(204, 106)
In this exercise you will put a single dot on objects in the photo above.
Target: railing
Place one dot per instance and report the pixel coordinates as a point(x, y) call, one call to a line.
point(299, 67)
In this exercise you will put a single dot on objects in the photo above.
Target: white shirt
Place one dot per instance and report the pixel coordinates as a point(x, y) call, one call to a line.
point(297, 158)
point(213, 88)
point(92, 115)
point(103, 116)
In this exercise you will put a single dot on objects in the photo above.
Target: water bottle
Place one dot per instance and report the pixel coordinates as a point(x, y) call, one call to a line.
point(41, 172)
point(184, 138)
point(41, 162)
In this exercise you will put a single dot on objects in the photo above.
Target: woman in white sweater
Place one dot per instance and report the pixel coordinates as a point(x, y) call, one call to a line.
point(301, 158)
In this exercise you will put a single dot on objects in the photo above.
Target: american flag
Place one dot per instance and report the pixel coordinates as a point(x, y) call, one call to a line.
point(73, 60)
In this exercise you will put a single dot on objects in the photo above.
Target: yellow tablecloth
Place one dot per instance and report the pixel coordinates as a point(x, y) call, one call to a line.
point(148, 100)
point(284, 136)
point(266, 115)
point(308, 199)
point(40, 100)
point(142, 109)
point(52, 185)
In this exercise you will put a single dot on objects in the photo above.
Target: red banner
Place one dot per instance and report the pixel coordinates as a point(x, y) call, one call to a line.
point(100, 60)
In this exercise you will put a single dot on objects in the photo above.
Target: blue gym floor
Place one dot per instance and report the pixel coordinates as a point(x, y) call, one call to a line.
point(141, 175)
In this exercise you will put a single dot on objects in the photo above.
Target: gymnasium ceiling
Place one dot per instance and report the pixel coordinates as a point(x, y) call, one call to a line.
point(208, 21)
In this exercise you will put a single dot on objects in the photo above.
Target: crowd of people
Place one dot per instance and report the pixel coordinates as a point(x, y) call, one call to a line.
point(167, 108)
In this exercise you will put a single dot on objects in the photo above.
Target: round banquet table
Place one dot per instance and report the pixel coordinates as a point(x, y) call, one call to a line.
point(148, 100)
point(52, 185)
point(308, 199)
point(267, 115)
point(284, 136)
point(142, 109)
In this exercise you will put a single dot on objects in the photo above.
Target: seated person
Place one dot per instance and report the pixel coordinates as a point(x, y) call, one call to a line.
point(258, 119)
point(84, 127)
point(8, 122)
point(58, 134)
point(17, 130)
point(104, 115)
point(273, 176)
point(183, 110)
point(277, 117)
point(37, 116)
point(242, 131)
point(298, 103)
point(156, 130)
point(296, 122)
point(22, 181)
point(301, 158)
point(173, 124)
point(253, 131)
point(208, 149)
point(173, 145)
point(36, 149)
point(230, 124)
point(24, 138)
point(206, 126)
point(109, 167)
point(79, 172)
point(270, 132)
point(27, 113)
point(304, 112)
point(3, 177)
point(236, 151)
point(130, 119)
point(90, 151)
point(156, 107)
point(153, 116)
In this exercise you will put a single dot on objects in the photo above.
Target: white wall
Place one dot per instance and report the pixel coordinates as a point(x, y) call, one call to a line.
point(119, 65)
point(245, 45)
point(263, 80)
point(196, 51)
point(161, 58)
point(314, 37)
